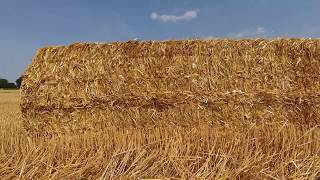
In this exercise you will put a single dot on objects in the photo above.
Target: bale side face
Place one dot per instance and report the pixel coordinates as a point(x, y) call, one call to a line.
point(145, 84)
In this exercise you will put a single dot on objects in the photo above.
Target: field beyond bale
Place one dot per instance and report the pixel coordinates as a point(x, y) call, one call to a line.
point(264, 151)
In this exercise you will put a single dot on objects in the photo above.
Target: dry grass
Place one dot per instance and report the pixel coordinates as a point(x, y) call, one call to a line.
point(264, 151)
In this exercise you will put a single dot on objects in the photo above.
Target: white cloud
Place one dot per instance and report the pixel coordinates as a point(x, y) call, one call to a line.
point(188, 15)
point(257, 32)
point(210, 37)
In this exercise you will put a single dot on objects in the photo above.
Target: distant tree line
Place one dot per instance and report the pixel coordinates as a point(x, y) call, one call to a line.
point(5, 84)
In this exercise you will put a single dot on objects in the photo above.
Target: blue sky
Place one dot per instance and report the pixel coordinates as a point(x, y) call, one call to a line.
point(26, 25)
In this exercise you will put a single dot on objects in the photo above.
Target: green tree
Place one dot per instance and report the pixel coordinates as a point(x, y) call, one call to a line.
point(11, 85)
point(6, 84)
point(19, 81)
point(3, 83)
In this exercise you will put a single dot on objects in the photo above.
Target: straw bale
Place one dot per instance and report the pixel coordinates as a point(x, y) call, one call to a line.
point(91, 86)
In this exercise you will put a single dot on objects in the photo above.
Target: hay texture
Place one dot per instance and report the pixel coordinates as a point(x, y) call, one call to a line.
point(91, 86)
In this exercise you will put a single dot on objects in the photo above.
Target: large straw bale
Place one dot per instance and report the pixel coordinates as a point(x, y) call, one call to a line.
point(91, 86)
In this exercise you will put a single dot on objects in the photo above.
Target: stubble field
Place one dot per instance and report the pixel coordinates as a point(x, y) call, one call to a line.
point(264, 151)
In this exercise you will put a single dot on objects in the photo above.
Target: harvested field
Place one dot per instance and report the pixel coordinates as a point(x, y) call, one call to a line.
point(274, 151)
